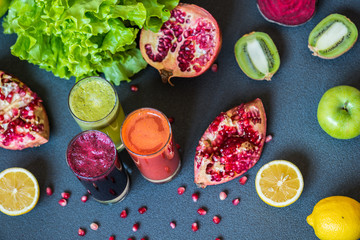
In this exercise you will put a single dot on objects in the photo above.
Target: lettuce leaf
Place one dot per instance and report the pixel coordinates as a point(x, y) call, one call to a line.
point(84, 37)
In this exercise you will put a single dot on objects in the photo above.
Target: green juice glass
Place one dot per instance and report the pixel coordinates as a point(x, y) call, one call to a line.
point(94, 104)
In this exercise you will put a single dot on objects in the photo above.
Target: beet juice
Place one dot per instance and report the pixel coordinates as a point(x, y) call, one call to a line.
point(147, 136)
point(93, 158)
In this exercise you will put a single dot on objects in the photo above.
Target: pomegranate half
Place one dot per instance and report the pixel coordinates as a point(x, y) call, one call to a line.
point(186, 45)
point(23, 120)
point(231, 145)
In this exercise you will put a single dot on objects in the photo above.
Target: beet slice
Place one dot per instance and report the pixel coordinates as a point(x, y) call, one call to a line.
point(287, 12)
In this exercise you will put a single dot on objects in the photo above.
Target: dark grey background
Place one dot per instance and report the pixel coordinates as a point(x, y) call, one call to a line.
point(329, 166)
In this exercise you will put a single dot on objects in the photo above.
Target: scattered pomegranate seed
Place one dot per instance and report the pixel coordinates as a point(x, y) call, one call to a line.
point(217, 238)
point(134, 88)
point(268, 138)
point(171, 120)
point(65, 195)
point(143, 239)
point(135, 227)
point(194, 227)
point(201, 211)
point(195, 197)
point(178, 146)
point(236, 201)
point(172, 224)
point(111, 238)
point(142, 210)
point(62, 202)
point(216, 219)
point(223, 195)
point(130, 239)
point(214, 67)
point(123, 214)
point(181, 190)
point(84, 198)
point(94, 226)
point(49, 191)
point(81, 232)
point(243, 180)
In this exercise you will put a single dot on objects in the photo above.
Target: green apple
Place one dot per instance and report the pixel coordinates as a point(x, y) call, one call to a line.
point(4, 5)
point(339, 112)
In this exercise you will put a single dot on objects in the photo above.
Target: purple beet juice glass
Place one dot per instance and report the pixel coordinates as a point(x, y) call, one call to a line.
point(93, 158)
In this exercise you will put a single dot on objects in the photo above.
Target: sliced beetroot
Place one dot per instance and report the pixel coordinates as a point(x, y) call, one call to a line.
point(231, 145)
point(287, 12)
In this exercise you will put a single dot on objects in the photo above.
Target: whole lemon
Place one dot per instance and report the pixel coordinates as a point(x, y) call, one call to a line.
point(4, 5)
point(336, 218)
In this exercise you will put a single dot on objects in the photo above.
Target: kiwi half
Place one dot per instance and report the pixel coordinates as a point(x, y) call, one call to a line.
point(333, 36)
point(257, 55)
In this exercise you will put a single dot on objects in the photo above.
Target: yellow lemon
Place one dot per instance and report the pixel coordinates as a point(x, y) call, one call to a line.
point(336, 218)
point(279, 183)
point(19, 191)
point(4, 5)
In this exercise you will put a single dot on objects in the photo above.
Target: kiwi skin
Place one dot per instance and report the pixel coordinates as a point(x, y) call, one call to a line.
point(316, 52)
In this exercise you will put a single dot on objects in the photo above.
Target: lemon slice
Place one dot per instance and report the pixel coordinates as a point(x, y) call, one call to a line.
point(19, 191)
point(279, 183)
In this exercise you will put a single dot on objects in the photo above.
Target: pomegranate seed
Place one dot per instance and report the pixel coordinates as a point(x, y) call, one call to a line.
point(214, 67)
point(62, 202)
point(195, 197)
point(143, 239)
point(217, 238)
point(65, 195)
point(243, 180)
point(268, 138)
point(142, 210)
point(181, 190)
point(178, 146)
point(134, 88)
point(236, 201)
point(111, 238)
point(123, 214)
point(130, 239)
point(173, 225)
point(135, 227)
point(49, 191)
point(81, 232)
point(171, 120)
point(216, 219)
point(201, 211)
point(94, 226)
point(223, 195)
point(194, 227)
point(84, 198)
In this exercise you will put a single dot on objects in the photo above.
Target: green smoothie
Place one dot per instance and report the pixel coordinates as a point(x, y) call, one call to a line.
point(94, 104)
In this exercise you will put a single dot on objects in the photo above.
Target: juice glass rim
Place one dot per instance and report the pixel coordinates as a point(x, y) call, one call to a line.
point(87, 78)
point(104, 173)
point(165, 144)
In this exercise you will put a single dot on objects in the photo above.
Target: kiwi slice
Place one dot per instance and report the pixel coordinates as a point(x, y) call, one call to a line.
point(333, 36)
point(257, 55)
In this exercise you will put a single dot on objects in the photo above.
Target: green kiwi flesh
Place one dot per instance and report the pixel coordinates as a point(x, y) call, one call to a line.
point(333, 36)
point(257, 55)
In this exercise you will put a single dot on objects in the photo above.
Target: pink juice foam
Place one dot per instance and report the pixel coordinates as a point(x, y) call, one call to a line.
point(91, 154)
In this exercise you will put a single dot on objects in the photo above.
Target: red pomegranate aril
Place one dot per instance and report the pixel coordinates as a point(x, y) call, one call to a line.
point(194, 227)
point(201, 211)
point(123, 214)
point(135, 227)
point(195, 197)
point(62, 202)
point(243, 180)
point(84, 198)
point(81, 232)
point(49, 191)
point(112, 238)
point(222, 195)
point(134, 88)
point(236, 201)
point(268, 138)
point(181, 190)
point(142, 210)
point(171, 120)
point(214, 67)
point(65, 195)
point(172, 224)
point(216, 219)
point(94, 226)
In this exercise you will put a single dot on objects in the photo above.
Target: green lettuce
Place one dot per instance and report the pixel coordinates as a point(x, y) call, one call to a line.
point(84, 37)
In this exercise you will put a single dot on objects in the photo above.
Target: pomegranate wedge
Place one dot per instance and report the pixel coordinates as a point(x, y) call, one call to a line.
point(231, 145)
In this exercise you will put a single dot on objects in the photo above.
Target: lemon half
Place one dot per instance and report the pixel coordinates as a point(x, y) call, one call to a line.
point(279, 183)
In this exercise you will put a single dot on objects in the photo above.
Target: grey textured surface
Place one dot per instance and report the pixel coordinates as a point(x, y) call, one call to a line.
point(330, 166)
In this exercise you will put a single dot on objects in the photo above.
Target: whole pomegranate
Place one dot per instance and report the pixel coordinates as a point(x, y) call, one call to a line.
point(231, 145)
point(23, 120)
point(186, 45)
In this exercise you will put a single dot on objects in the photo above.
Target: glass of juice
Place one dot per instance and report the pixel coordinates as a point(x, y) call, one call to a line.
point(94, 104)
point(147, 136)
point(93, 158)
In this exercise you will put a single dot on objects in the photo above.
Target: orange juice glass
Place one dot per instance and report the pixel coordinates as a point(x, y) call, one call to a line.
point(147, 136)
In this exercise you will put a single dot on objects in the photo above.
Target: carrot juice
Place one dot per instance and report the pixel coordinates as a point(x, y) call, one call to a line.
point(147, 136)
